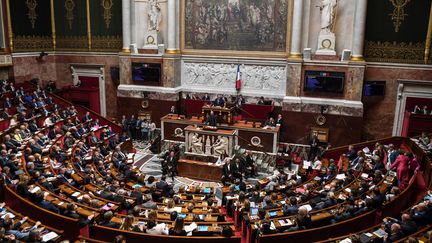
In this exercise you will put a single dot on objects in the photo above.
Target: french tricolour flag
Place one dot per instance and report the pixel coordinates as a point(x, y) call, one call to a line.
point(238, 79)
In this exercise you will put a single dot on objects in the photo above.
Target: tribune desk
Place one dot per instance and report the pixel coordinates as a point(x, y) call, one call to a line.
point(249, 137)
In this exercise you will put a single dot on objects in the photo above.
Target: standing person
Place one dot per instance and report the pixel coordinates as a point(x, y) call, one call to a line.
point(402, 169)
point(131, 127)
point(144, 130)
point(313, 146)
point(124, 122)
point(138, 128)
point(392, 154)
point(152, 129)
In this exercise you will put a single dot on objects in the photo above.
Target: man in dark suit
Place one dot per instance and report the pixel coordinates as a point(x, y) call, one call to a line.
point(206, 97)
point(238, 168)
point(212, 119)
point(170, 165)
point(279, 121)
point(394, 234)
point(7, 103)
point(219, 101)
point(270, 122)
point(86, 117)
point(5, 114)
point(291, 206)
point(71, 212)
point(47, 204)
point(163, 185)
point(250, 164)
point(35, 148)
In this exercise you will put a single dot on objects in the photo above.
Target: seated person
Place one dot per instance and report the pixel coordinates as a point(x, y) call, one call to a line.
point(303, 220)
point(261, 101)
point(219, 101)
point(178, 228)
point(270, 123)
point(156, 229)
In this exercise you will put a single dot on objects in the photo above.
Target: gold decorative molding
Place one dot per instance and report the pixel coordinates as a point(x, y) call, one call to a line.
point(107, 43)
point(76, 43)
point(53, 29)
point(70, 6)
point(107, 6)
point(357, 59)
point(33, 43)
point(295, 56)
point(398, 52)
point(89, 36)
point(32, 15)
point(398, 15)
point(230, 53)
point(428, 38)
point(172, 51)
point(11, 43)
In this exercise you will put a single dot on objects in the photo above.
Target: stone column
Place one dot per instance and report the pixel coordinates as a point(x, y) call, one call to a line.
point(133, 22)
point(126, 17)
point(171, 43)
point(296, 51)
point(359, 30)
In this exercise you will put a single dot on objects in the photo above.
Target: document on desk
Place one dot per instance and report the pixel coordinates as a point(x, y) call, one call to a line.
point(285, 222)
point(49, 236)
point(191, 227)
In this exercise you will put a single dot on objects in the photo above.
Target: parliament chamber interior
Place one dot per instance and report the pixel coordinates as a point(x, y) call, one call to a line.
point(219, 121)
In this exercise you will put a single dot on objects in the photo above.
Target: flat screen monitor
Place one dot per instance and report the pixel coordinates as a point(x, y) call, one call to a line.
point(324, 82)
point(146, 73)
point(374, 88)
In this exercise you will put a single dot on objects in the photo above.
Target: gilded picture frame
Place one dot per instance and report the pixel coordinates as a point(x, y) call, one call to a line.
point(229, 53)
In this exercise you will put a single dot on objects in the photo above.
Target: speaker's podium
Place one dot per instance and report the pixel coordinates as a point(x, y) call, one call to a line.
point(224, 115)
point(203, 145)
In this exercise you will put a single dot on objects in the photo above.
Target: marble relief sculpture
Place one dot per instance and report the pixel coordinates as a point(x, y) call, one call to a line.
point(262, 79)
point(196, 144)
point(221, 146)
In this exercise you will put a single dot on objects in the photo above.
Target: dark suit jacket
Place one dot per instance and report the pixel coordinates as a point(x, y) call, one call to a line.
point(49, 206)
point(212, 120)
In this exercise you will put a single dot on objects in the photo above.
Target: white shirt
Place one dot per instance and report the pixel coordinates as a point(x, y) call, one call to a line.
point(159, 229)
point(48, 122)
point(317, 165)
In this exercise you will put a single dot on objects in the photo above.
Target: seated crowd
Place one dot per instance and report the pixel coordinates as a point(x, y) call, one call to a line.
point(66, 162)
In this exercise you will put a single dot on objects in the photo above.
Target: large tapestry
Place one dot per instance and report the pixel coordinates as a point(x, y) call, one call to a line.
point(241, 25)
point(396, 30)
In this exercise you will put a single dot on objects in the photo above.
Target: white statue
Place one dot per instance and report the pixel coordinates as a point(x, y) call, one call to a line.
point(154, 15)
point(328, 14)
point(197, 144)
point(220, 147)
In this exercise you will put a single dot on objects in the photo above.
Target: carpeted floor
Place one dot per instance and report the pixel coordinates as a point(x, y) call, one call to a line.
point(150, 165)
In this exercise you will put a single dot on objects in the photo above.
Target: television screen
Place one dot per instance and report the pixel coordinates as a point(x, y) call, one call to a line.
point(374, 88)
point(320, 81)
point(146, 72)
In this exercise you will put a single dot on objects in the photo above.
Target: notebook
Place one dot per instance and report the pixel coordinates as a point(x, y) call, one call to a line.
point(181, 215)
point(206, 190)
point(272, 214)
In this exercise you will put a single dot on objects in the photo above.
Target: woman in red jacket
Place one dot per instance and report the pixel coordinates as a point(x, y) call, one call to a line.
point(402, 171)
